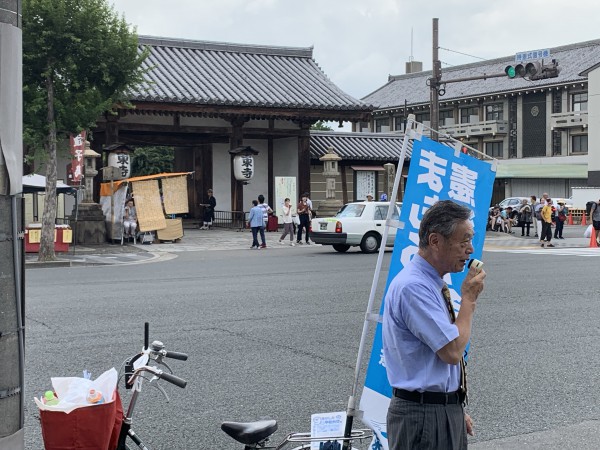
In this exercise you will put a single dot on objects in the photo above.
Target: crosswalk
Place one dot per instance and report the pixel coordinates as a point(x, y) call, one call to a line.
point(557, 251)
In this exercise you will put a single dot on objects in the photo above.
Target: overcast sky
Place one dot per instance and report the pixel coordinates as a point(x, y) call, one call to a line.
point(358, 43)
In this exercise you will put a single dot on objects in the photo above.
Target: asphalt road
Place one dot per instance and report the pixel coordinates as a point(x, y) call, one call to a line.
point(275, 334)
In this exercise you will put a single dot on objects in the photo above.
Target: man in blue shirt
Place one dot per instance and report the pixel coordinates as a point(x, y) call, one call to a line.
point(255, 221)
point(423, 340)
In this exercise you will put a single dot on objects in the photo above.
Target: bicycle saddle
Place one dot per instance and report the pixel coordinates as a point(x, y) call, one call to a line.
point(250, 432)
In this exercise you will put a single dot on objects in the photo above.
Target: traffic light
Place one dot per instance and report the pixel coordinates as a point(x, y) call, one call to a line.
point(534, 70)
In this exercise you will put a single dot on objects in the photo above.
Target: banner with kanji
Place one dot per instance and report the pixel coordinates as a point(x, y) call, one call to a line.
point(437, 172)
point(75, 167)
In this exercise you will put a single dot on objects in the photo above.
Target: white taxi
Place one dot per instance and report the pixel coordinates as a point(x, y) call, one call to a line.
point(357, 223)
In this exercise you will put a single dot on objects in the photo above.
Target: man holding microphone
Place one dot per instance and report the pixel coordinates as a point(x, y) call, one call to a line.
point(424, 340)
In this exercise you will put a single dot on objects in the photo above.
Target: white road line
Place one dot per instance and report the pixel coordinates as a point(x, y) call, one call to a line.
point(581, 251)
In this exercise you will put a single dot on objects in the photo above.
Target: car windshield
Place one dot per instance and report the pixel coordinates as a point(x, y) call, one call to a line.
point(351, 210)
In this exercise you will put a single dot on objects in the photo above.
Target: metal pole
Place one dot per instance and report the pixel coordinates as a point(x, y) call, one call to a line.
point(351, 410)
point(435, 83)
point(11, 226)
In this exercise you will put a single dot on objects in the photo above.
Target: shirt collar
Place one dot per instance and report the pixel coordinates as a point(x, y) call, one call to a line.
point(428, 270)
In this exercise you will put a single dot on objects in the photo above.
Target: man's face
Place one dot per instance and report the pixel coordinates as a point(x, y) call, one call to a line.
point(456, 250)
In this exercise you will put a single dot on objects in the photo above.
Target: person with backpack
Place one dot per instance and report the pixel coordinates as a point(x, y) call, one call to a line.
point(595, 219)
point(561, 216)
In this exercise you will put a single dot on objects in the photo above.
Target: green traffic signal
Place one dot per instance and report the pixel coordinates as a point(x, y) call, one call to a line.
point(510, 71)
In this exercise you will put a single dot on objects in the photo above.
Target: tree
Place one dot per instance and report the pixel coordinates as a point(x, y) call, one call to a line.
point(152, 160)
point(79, 59)
point(321, 126)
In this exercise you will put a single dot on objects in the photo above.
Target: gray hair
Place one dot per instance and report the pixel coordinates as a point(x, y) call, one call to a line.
point(442, 218)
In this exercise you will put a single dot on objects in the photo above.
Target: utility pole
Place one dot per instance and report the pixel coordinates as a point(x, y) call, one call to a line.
point(11, 246)
point(434, 82)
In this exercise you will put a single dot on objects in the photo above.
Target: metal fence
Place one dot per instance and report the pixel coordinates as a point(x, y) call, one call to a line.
point(230, 219)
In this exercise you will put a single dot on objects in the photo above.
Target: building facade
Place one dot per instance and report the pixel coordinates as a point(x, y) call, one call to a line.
point(207, 98)
point(538, 130)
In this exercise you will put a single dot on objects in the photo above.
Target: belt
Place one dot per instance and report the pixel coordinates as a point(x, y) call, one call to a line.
point(437, 398)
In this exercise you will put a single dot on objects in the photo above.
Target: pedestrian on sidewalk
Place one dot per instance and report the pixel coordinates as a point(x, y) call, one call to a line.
point(255, 222)
point(304, 213)
point(547, 224)
point(561, 216)
point(534, 204)
point(288, 226)
point(525, 217)
point(595, 219)
point(209, 211)
point(538, 216)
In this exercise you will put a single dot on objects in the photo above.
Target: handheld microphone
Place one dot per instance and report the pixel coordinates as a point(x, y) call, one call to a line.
point(475, 263)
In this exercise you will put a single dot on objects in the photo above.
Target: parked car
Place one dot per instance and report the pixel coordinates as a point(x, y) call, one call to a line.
point(356, 224)
point(514, 202)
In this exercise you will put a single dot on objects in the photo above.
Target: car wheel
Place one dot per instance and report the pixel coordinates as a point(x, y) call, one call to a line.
point(341, 248)
point(370, 243)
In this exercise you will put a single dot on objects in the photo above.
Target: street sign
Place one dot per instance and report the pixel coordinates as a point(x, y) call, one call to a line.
point(532, 54)
point(110, 173)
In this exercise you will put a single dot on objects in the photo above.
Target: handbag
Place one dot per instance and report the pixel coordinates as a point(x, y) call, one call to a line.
point(296, 219)
point(562, 217)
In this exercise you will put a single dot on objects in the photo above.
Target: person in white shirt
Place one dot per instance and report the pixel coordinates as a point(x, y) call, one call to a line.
point(266, 209)
point(288, 226)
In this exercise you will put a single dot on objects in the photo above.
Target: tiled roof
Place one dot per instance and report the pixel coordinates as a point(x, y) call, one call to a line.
point(358, 146)
point(213, 73)
point(573, 59)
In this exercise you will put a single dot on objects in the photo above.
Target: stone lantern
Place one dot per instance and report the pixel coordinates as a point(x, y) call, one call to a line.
point(330, 206)
point(89, 157)
point(87, 219)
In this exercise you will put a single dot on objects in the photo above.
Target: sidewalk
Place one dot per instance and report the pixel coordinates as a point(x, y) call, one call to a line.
point(193, 240)
point(573, 238)
point(224, 239)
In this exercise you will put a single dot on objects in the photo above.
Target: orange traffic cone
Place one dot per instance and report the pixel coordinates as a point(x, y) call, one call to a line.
point(570, 219)
point(583, 219)
point(593, 242)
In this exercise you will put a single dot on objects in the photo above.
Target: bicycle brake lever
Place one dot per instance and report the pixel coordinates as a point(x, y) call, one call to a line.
point(167, 366)
point(154, 383)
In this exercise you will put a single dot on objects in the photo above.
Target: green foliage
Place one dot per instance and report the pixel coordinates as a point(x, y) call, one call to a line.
point(152, 160)
point(321, 126)
point(87, 51)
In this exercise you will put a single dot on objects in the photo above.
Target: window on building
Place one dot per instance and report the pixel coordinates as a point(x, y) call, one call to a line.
point(423, 117)
point(556, 142)
point(382, 125)
point(399, 123)
point(494, 149)
point(494, 112)
point(446, 114)
point(580, 144)
point(467, 113)
point(579, 102)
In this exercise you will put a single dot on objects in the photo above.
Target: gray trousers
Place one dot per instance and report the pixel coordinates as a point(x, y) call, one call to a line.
point(416, 426)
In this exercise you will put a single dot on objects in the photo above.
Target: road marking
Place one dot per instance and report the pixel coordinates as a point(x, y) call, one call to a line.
point(576, 251)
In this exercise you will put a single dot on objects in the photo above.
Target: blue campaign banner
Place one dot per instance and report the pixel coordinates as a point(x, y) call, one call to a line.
point(437, 172)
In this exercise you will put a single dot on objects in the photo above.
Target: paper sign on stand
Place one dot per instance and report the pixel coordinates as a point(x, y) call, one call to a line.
point(327, 425)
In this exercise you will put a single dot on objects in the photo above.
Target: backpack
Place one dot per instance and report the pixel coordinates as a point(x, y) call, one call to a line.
point(588, 207)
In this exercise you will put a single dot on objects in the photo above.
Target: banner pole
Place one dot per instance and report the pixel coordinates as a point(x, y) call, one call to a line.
point(350, 412)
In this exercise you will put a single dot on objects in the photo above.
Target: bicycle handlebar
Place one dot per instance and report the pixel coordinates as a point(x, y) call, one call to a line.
point(173, 379)
point(176, 355)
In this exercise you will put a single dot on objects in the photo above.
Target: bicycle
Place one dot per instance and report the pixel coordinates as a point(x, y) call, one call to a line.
point(133, 370)
point(256, 435)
